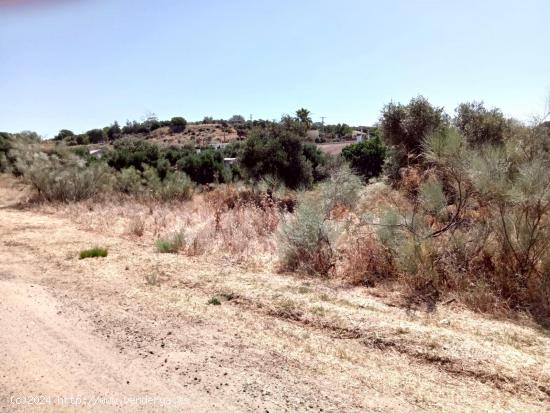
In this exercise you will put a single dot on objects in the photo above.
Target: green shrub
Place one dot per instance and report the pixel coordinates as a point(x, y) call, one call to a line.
point(478, 224)
point(129, 181)
point(113, 132)
point(306, 240)
point(214, 301)
point(408, 125)
point(96, 135)
point(172, 244)
point(63, 134)
point(279, 152)
point(342, 188)
point(236, 119)
point(133, 152)
point(81, 139)
point(205, 167)
point(318, 160)
point(366, 158)
point(177, 124)
point(5, 147)
point(175, 186)
point(13, 146)
point(479, 125)
point(93, 253)
point(64, 180)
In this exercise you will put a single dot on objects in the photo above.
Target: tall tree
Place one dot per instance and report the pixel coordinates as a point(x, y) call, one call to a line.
point(303, 115)
point(406, 126)
point(479, 125)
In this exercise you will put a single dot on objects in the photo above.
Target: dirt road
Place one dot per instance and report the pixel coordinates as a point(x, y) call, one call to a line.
point(95, 329)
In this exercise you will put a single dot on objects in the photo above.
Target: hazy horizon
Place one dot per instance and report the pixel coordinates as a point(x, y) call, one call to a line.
point(84, 64)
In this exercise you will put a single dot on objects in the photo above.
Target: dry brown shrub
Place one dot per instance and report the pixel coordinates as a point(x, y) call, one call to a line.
point(227, 197)
point(247, 228)
point(197, 246)
point(365, 261)
point(411, 177)
point(136, 226)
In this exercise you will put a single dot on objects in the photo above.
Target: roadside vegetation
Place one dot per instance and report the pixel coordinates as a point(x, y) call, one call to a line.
point(94, 252)
point(439, 207)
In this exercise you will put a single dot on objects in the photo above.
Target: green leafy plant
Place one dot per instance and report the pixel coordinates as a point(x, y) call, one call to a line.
point(366, 158)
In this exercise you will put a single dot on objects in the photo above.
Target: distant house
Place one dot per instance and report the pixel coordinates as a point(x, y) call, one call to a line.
point(229, 161)
point(97, 153)
point(360, 135)
point(217, 145)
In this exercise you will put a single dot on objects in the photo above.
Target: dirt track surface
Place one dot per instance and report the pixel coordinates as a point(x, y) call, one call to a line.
point(95, 329)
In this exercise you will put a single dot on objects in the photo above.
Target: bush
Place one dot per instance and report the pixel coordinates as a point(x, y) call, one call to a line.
point(176, 186)
point(396, 159)
point(64, 180)
point(236, 119)
point(5, 146)
point(177, 124)
point(129, 181)
point(205, 167)
point(479, 125)
point(341, 189)
point(93, 253)
point(63, 134)
point(306, 240)
point(318, 160)
point(279, 152)
point(336, 132)
point(478, 224)
point(114, 132)
point(15, 145)
point(171, 244)
point(408, 125)
point(96, 135)
point(366, 158)
point(133, 152)
point(81, 139)
point(214, 301)
point(365, 260)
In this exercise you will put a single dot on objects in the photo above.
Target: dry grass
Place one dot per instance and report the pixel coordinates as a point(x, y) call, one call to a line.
point(364, 260)
point(240, 225)
point(307, 338)
point(242, 232)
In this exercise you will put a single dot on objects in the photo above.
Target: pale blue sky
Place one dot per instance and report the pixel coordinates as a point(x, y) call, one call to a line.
point(84, 63)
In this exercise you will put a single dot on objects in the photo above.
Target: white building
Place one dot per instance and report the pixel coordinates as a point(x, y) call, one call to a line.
point(360, 135)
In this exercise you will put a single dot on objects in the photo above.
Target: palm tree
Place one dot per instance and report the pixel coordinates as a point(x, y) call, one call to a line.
point(303, 116)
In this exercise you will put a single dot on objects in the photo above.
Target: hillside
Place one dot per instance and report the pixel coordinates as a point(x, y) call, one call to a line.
point(196, 134)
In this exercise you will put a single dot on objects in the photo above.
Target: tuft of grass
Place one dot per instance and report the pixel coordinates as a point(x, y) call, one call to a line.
point(93, 253)
point(152, 279)
point(136, 226)
point(172, 244)
point(214, 301)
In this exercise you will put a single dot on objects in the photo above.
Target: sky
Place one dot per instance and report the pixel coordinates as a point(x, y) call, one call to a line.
point(82, 64)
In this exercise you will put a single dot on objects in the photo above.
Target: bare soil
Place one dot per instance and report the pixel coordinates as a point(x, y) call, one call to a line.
point(334, 148)
point(139, 324)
